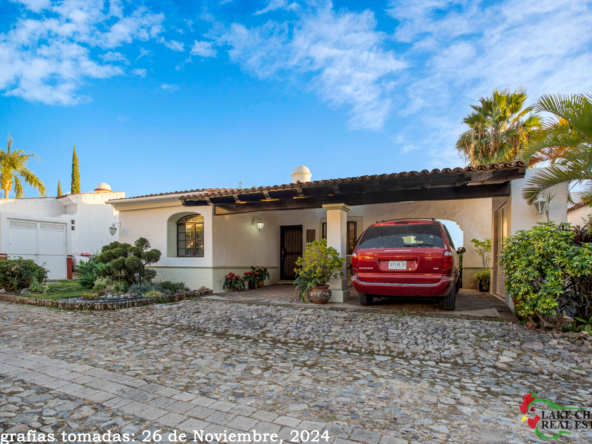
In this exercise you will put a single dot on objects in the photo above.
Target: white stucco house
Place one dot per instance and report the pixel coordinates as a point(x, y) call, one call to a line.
point(205, 234)
point(57, 231)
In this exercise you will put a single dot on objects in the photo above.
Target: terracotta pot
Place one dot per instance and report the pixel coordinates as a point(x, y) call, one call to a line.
point(252, 285)
point(260, 283)
point(320, 294)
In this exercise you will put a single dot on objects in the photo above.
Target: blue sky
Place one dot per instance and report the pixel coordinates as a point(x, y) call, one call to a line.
point(170, 95)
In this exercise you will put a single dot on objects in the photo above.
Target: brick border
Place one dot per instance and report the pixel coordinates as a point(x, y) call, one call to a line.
point(91, 305)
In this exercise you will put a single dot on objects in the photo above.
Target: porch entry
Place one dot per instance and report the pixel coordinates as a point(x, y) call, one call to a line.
point(291, 250)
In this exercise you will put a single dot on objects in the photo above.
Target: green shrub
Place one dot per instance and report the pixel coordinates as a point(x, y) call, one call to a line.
point(37, 287)
point(128, 262)
point(87, 272)
point(172, 286)
point(101, 283)
point(16, 274)
point(548, 269)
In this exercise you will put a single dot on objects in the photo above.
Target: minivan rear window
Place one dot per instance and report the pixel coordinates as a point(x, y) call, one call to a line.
point(402, 236)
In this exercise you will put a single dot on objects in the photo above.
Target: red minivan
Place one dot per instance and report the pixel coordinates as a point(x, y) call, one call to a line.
point(411, 257)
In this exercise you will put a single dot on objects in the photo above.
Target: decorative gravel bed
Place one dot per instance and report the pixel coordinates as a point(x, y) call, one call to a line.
point(105, 299)
point(90, 304)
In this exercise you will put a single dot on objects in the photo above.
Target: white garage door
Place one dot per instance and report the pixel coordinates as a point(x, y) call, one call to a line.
point(43, 242)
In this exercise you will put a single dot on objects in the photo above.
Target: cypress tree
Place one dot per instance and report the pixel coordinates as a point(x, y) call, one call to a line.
point(75, 174)
point(59, 188)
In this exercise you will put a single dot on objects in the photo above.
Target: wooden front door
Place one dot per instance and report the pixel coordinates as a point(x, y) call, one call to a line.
point(291, 250)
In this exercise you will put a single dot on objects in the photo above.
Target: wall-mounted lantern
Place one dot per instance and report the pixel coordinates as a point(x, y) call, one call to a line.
point(540, 206)
point(259, 223)
point(113, 229)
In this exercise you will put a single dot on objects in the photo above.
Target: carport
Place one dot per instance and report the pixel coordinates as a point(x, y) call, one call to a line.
point(463, 195)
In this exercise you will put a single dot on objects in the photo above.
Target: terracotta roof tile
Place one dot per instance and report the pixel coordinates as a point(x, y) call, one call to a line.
point(469, 169)
point(576, 207)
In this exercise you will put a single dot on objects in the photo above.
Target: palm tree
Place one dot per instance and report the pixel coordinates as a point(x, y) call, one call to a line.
point(498, 128)
point(13, 171)
point(565, 141)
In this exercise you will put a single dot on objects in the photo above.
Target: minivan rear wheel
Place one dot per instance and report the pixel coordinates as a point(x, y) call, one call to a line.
point(449, 302)
point(365, 299)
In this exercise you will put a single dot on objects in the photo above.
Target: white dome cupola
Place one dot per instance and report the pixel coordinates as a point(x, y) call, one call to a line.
point(103, 188)
point(302, 174)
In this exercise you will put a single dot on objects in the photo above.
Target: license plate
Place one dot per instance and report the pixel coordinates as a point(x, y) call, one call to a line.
point(397, 265)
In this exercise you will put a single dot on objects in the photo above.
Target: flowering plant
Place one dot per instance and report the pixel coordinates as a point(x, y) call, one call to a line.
point(233, 282)
point(261, 273)
point(250, 276)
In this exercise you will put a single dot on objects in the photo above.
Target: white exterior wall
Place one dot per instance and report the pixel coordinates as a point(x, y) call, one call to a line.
point(576, 217)
point(155, 219)
point(90, 212)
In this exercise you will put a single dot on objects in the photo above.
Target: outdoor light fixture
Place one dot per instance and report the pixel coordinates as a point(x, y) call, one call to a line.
point(259, 223)
point(540, 206)
point(113, 230)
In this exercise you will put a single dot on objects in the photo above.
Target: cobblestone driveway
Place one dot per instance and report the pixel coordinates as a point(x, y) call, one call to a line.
point(364, 377)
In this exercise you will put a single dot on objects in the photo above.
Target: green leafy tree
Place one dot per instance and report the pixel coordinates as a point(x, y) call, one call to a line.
point(128, 262)
point(75, 174)
point(14, 172)
point(565, 141)
point(59, 188)
point(499, 128)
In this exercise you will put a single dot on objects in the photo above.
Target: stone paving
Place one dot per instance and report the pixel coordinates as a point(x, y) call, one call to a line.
point(470, 303)
point(363, 377)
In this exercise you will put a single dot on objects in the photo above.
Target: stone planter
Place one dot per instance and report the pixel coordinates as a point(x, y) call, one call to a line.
point(179, 297)
point(320, 294)
point(252, 285)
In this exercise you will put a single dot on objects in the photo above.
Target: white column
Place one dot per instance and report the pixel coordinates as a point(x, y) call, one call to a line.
point(337, 238)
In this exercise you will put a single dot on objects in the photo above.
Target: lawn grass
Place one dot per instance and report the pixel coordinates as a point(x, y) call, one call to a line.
point(60, 290)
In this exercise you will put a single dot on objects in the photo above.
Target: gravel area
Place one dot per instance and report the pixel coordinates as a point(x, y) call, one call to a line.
point(364, 377)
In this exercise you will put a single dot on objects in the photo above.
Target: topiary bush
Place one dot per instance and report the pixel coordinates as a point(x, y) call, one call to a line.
point(16, 274)
point(549, 270)
point(128, 262)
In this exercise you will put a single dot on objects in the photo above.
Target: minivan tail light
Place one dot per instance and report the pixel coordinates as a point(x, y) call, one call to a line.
point(447, 260)
point(355, 261)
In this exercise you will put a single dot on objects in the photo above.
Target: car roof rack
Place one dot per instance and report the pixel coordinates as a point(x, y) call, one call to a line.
point(407, 218)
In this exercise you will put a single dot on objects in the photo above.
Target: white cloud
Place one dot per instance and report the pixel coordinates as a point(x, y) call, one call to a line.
point(169, 87)
point(339, 55)
point(114, 57)
point(140, 72)
point(47, 57)
point(34, 5)
point(143, 53)
point(173, 45)
point(203, 49)
point(273, 5)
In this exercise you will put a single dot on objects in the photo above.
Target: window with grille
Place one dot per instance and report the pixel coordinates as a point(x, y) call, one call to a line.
point(190, 236)
point(352, 235)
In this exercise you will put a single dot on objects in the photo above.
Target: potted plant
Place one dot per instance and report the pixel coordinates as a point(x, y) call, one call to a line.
point(317, 265)
point(483, 276)
point(261, 273)
point(251, 279)
point(233, 282)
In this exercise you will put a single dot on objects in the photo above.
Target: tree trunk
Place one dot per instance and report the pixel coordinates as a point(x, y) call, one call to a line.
point(6, 190)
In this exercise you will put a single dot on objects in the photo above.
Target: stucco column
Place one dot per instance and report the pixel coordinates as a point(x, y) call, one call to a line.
point(337, 238)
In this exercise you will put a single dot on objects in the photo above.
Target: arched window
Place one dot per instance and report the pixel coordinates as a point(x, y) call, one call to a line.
point(190, 236)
